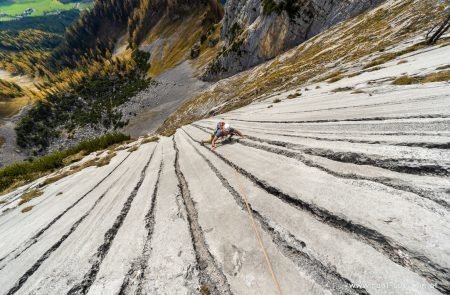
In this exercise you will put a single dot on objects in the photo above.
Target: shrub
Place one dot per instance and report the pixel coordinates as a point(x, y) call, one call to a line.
point(235, 31)
point(276, 100)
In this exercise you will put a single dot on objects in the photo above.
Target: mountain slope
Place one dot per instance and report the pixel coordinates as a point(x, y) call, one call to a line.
point(349, 48)
point(347, 185)
point(255, 31)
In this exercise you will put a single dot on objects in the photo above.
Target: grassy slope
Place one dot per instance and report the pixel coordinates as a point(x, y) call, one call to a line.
point(366, 36)
point(172, 41)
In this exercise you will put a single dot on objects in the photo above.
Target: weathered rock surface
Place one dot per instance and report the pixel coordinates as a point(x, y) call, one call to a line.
point(349, 193)
point(253, 36)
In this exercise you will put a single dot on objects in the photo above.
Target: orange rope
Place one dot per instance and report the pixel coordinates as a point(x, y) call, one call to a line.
point(258, 236)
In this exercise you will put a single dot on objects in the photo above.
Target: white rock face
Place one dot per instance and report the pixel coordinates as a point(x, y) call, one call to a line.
point(349, 193)
point(252, 36)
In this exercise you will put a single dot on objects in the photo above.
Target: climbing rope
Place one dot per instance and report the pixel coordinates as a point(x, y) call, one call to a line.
point(258, 236)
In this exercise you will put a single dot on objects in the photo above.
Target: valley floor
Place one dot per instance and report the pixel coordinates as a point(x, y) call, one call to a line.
point(345, 191)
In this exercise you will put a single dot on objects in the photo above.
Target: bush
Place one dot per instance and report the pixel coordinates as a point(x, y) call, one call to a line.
point(290, 6)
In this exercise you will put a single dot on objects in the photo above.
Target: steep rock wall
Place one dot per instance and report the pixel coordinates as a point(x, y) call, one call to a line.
point(255, 31)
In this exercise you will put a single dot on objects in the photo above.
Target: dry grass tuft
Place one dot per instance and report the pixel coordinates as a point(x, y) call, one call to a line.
point(437, 77)
point(335, 79)
point(150, 139)
point(442, 76)
point(393, 55)
point(406, 80)
point(403, 61)
point(26, 209)
point(291, 96)
point(119, 148)
point(374, 69)
point(133, 149)
point(355, 74)
point(379, 61)
point(358, 91)
point(28, 196)
point(99, 162)
point(329, 76)
point(342, 89)
point(74, 158)
point(2, 202)
point(105, 160)
point(276, 100)
point(57, 177)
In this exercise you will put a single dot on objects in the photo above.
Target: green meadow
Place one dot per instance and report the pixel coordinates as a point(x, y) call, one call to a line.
point(17, 7)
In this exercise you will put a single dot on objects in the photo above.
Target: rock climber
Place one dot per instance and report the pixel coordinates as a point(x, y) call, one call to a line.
point(223, 129)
